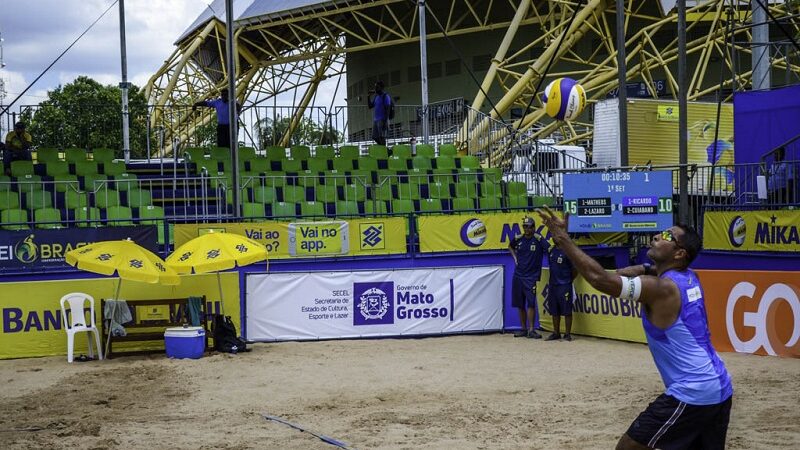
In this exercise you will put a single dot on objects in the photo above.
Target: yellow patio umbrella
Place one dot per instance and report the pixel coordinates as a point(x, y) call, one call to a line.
point(215, 251)
point(125, 258)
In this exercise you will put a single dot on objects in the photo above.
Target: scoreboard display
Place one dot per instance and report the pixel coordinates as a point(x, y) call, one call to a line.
point(618, 201)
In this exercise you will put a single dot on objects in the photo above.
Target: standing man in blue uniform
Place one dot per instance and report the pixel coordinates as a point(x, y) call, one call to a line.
point(223, 119)
point(695, 409)
point(382, 104)
point(527, 251)
point(559, 292)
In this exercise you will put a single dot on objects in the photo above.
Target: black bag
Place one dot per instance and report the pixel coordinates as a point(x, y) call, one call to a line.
point(225, 338)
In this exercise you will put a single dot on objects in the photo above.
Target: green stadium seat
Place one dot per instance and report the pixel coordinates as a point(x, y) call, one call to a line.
point(276, 153)
point(491, 189)
point(325, 152)
point(105, 198)
point(94, 182)
point(194, 154)
point(14, 219)
point(466, 189)
point(395, 163)
point(445, 162)
point(444, 176)
point(354, 192)
point(83, 168)
point(342, 165)
point(55, 168)
point(103, 155)
point(308, 179)
point(426, 150)
point(29, 183)
point(138, 198)
point(430, 205)
point(492, 174)
point(439, 190)
point(378, 151)
point(64, 183)
point(274, 178)
point(75, 199)
point(312, 209)
point(381, 191)
point(125, 181)
point(47, 155)
point(21, 168)
point(362, 177)
point(292, 165)
point(253, 211)
point(260, 165)
point(154, 215)
point(119, 216)
point(514, 188)
point(284, 210)
point(470, 162)
point(264, 194)
point(114, 168)
point(48, 218)
point(300, 152)
point(409, 191)
point(402, 151)
point(466, 174)
point(318, 165)
point(349, 152)
point(247, 153)
point(367, 163)
point(402, 206)
point(220, 153)
point(74, 155)
point(421, 162)
point(87, 217)
point(38, 199)
point(294, 194)
point(463, 204)
point(346, 209)
point(487, 203)
point(448, 150)
point(517, 201)
point(326, 193)
point(375, 207)
point(9, 200)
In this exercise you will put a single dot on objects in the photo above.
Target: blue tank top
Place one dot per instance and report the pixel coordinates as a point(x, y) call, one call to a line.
point(690, 367)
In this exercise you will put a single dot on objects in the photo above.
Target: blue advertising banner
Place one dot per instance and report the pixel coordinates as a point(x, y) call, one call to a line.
point(38, 250)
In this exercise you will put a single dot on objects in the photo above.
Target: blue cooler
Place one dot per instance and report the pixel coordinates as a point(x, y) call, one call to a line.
point(185, 342)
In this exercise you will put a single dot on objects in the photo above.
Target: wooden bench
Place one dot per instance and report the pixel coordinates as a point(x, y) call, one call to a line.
point(178, 312)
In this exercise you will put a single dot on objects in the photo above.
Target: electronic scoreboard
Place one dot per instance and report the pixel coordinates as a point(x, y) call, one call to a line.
point(618, 201)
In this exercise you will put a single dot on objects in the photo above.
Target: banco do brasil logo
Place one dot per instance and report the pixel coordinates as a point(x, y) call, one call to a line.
point(373, 303)
point(473, 233)
point(372, 236)
point(26, 251)
point(737, 231)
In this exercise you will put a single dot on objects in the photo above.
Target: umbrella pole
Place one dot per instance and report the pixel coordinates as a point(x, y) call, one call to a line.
point(221, 302)
point(111, 319)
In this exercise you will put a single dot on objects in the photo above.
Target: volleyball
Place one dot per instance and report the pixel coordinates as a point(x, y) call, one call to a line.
point(564, 99)
point(473, 233)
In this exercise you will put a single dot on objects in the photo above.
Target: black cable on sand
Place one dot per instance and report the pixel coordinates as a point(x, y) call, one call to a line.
point(322, 437)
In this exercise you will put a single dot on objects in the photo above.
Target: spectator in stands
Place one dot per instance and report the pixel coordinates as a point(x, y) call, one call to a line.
point(781, 179)
point(382, 104)
point(223, 116)
point(559, 292)
point(527, 251)
point(17, 147)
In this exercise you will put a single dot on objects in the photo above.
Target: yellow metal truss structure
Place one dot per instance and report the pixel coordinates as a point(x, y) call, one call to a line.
point(294, 50)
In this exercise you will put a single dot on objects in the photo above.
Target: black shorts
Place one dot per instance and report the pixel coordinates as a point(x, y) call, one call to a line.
point(523, 293)
point(668, 423)
point(559, 299)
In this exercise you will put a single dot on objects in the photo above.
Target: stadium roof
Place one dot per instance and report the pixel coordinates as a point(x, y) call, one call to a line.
point(245, 10)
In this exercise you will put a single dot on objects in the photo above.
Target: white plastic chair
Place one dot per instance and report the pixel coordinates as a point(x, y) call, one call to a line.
point(77, 323)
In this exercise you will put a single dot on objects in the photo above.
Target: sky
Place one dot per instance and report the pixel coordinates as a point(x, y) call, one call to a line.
point(35, 32)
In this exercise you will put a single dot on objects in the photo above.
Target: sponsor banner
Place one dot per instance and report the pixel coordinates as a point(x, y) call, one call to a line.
point(32, 325)
point(753, 311)
point(774, 231)
point(326, 305)
point(490, 232)
point(353, 237)
point(595, 313)
point(36, 250)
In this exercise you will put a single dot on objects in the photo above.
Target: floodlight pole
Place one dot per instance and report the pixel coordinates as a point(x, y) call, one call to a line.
point(683, 113)
point(233, 118)
point(760, 45)
point(622, 79)
point(423, 65)
point(124, 85)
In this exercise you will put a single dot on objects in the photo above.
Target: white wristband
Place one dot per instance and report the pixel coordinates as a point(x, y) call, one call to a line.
point(631, 288)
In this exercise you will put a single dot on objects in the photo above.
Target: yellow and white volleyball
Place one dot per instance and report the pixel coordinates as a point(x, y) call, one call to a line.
point(737, 231)
point(473, 233)
point(564, 99)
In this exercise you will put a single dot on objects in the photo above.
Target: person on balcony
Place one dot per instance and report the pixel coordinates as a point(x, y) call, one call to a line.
point(17, 147)
point(223, 116)
point(382, 106)
point(781, 179)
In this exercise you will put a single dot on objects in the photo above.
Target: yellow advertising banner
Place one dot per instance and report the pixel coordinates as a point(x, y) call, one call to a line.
point(595, 313)
point(472, 232)
point(352, 237)
point(771, 230)
point(32, 325)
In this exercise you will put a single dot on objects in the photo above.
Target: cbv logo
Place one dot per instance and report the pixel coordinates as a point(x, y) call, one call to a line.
point(764, 322)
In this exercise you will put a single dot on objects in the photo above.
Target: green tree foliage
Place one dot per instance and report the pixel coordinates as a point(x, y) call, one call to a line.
point(86, 114)
point(307, 132)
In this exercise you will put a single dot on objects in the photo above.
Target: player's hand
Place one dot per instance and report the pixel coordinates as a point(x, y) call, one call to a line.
point(555, 224)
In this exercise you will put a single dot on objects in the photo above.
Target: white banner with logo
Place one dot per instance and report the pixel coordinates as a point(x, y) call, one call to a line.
point(325, 305)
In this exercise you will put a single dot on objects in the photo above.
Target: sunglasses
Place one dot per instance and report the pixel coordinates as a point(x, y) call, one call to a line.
point(668, 236)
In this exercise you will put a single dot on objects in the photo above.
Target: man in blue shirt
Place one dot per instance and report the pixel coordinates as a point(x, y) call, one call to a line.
point(527, 251)
point(223, 116)
point(382, 104)
point(695, 409)
point(559, 292)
